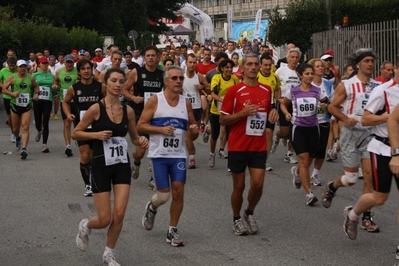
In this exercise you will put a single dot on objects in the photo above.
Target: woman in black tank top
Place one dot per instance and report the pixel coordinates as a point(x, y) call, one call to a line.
point(110, 121)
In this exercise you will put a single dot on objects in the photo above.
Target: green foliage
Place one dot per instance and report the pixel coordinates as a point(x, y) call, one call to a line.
point(364, 11)
point(25, 36)
point(302, 18)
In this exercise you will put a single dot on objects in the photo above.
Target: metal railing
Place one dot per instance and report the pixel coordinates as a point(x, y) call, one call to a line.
point(382, 37)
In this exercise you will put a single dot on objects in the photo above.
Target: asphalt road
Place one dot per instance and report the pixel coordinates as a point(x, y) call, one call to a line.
point(41, 203)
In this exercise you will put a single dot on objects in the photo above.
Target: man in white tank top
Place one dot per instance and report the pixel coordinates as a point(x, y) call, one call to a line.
point(192, 85)
point(353, 95)
point(167, 117)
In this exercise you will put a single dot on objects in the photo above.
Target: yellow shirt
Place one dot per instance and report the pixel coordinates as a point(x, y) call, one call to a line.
point(273, 81)
point(223, 85)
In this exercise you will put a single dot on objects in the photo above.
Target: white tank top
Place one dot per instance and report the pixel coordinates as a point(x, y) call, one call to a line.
point(190, 91)
point(357, 96)
point(174, 146)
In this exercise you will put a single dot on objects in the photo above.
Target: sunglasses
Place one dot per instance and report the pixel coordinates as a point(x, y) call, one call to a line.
point(174, 78)
point(328, 59)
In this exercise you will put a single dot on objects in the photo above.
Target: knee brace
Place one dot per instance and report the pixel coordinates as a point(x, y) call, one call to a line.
point(160, 198)
point(349, 179)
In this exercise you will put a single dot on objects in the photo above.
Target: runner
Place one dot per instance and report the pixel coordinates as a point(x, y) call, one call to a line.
point(380, 109)
point(22, 86)
point(144, 82)
point(84, 94)
point(5, 72)
point(64, 78)
point(42, 108)
point(353, 94)
point(194, 84)
point(245, 108)
point(166, 118)
point(110, 121)
point(304, 133)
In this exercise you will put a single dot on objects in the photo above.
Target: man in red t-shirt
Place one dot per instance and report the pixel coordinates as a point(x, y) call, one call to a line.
point(206, 65)
point(386, 71)
point(99, 57)
point(245, 108)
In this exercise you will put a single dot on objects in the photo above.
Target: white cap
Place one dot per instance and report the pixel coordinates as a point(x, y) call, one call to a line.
point(21, 62)
point(325, 56)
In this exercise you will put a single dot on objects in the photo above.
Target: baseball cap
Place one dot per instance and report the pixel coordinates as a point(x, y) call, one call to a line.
point(74, 52)
point(247, 47)
point(325, 56)
point(82, 52)
point(43, 60)
point(68, 57)
point(330, 52)
point(98, 49)
point(21, 62)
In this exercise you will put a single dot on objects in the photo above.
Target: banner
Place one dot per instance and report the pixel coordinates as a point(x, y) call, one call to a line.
point(246, 29)
point(230, 23)
point(258, 19)
point(201, 18)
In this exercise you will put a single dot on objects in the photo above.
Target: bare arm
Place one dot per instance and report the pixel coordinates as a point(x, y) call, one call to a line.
point(204, 83)
point(283, 106)
point(393, 133)
point(191, 120)
point(134, 135)
point(370, 119)
point(7, 85)
point(131, 80)
point(79, 133)
point(66, 107)
point(249, 109)
point(35, 88)
point(334, 106)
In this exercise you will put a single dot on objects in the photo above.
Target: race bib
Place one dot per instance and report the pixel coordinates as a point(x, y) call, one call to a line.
point(306, 106)
point(23, 100)
point(81, 114)
point(147, 96)
point(115, 150)
point(256, 124)
point(171, 145)
point(195, 101)
point(219, 105)
point(44, 93)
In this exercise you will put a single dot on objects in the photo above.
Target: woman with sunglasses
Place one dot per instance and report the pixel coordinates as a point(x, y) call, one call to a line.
point(219, 86)
point(304, 127)
point(42, 107)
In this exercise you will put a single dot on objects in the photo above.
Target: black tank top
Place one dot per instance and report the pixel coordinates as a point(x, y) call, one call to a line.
point(146, 82)
point(105, 123)
point(86, 96)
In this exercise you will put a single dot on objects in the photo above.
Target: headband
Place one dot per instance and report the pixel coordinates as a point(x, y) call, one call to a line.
point(363, 55)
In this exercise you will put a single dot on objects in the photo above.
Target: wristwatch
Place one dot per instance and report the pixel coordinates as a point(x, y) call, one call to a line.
point(395, 152)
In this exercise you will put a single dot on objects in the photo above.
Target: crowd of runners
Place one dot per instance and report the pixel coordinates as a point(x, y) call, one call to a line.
point(233, 93)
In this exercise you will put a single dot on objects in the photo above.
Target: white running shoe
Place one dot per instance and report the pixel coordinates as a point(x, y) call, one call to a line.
point(268, 167)
point(290, 159)
point(82, 239)
point(274, 146)
point(109, 259)
point(88, 191)
point(135, 171)
point(314, 180)
point(13, 138)
point(211, 160)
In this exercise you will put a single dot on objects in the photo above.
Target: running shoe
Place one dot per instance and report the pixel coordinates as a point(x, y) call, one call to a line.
point(24, 154)
point(148, 219)
point(191, 164)
point(205, 136)
point(13, 138)
point(88, 191)
point(397, 252)
point(314, 180)
point(211, 160)
point(150, 168)
point(173, 238)
point(250, 223)
point(284, 141)
point(55, 117)
point(369, 225)
point(296, 180)
point(135, 171)
point(222, 155)
point(109, 259)
point(274, 146)
point(311, 199)
point(151, 184)
point(45, 149)
point(268, 167)
point(228, 169)
point(82, 239)
point(327, 196)
point(239, 227)
point(18, 144)
point(290, 159)
point(202, 127)
point(38, 136)
point(350, 227)
point(68, 151)
point(329, 156)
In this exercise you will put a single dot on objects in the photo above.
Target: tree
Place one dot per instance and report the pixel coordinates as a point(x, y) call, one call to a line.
point(302, 18)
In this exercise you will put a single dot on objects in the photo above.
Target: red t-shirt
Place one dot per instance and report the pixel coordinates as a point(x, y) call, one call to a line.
point(379, 78)
point(203, 69)
point(248, 134)
point(98, 59)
